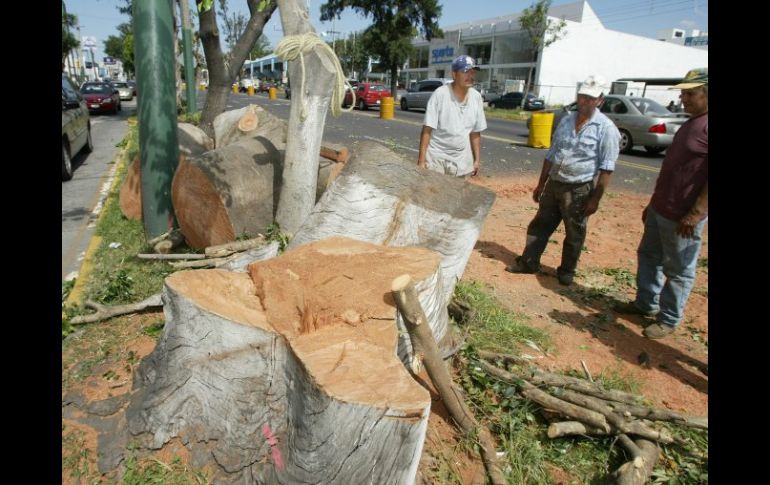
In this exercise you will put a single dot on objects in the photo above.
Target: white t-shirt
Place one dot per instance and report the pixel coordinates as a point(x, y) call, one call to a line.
point(452, 123)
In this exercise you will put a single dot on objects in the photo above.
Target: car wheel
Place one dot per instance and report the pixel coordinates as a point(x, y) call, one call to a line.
point(361, 105)
point(404, 106)
point(89, 146)
point(654, 149)
point(626, 142)
point(66, 163)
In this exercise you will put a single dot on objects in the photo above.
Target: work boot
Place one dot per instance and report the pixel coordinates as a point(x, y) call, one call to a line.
point(520, 267)
point(565, 278)
point(658, 330)
point(630, 308)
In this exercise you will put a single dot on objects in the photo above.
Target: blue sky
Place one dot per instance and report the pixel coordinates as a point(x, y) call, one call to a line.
point(100, 18)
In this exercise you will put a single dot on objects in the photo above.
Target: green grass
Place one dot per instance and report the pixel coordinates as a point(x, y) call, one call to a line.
point(507, 114)
point(152, 471)
point(193, 118)
point(493, 327)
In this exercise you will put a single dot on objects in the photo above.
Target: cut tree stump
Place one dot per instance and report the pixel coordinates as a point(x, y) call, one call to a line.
point(381, 198)
point(193, 142)
point(252, 121)
point(288, 374)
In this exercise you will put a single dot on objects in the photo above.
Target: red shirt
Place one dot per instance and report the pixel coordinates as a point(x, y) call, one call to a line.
point(685, 170)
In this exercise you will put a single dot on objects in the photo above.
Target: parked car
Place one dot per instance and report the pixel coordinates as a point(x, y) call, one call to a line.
point(75, 126)
point(418, 95)
point(264, 86)
point(124, 90)
point(513, 101)
point(367, 95)
point(101, 96)
point(641, 121)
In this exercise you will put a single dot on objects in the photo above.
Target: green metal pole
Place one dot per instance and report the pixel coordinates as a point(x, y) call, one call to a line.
point(156, 105)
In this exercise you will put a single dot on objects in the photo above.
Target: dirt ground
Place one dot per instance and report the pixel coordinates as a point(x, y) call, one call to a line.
point(671, 372)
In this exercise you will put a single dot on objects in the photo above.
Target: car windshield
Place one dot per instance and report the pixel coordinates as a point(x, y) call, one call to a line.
point(120, 85)
point(95, 89)
point(377, 87)
point(649, 107)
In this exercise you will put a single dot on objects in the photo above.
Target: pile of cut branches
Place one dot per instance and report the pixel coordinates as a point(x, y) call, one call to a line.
point(575, 406)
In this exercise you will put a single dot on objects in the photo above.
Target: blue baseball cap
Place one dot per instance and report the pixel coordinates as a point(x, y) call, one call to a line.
point(464, 64)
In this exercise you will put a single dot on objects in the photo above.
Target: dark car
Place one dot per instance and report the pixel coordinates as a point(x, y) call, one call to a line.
point(101, 97)
point(513, 101)
point(75, 126)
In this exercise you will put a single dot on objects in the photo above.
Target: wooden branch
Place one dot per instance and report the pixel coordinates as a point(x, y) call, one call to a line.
point(173, 240)
point(104, 312)
point(540, 377)
point(585, 369)
point(460, 311)
point(658, 414)
point(570, 428)
point(532, 393)
point(227, 249)
point(340, 155)
point(171, 256)
point(630, 427)
point(201, 263)
point(638, 470)
point(405, 295)
point(637, 455)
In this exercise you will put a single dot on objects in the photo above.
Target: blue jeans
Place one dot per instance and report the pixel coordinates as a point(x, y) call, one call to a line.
point(666, 270)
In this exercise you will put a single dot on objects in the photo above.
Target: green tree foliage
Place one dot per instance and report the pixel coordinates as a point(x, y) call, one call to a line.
point(233, 24)
point(351, 52)
point(395, 22)
point(122, 46)
point(542, 32)
point(68, 40)
point(261, 48)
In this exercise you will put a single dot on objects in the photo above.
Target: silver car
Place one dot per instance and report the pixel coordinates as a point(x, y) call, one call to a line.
point(418, 96)
point(124, 90)
point(641, 121)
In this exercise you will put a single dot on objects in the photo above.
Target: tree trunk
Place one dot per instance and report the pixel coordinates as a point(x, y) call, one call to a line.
point(381, 198)
point(227, 192)
point(304, 136)
point(288, 374)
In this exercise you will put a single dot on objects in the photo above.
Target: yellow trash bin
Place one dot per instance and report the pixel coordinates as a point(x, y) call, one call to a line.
point(203, 86)
point(272, 93)
point(250, 90)
point(386, 108)
point(540, 130)
point(235, 88)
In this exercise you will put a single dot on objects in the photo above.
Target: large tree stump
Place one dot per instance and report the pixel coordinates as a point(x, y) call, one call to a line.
point(249, 122)
point(288, 374)
point(380, 198)
point(227, 192)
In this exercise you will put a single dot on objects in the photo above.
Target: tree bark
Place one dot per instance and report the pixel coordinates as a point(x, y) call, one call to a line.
point(570, 428)
point(631, 473)
point(288, 374)
point(405, 295)
point(300, 169)
point(221, 77)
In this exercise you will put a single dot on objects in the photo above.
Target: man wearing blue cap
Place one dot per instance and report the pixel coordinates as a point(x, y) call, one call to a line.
point(675, 217)
point(450, 141)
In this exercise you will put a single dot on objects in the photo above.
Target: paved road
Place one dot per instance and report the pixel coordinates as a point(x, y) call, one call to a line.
point(82, 197)
point(504, 150)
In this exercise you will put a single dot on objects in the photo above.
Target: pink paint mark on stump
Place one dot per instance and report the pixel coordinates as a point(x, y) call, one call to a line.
point(275, 453)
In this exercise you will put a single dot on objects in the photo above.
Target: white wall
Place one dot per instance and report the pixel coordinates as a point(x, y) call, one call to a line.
point(588, 48)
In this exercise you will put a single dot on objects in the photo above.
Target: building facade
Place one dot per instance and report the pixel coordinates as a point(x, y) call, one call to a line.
point(587, 47)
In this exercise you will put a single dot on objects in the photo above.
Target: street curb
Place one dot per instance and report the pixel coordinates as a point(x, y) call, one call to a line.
point(76, 295)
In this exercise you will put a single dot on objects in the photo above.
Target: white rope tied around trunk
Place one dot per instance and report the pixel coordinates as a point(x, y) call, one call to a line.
point(293, 46)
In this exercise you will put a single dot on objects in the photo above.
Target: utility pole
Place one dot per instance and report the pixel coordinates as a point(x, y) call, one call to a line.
point(158, 143)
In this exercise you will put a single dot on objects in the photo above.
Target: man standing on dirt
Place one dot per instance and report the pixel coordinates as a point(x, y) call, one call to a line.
point(585, 144)
point(675, 217)
point(450, 141)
